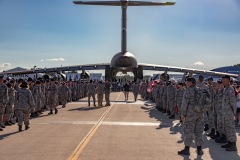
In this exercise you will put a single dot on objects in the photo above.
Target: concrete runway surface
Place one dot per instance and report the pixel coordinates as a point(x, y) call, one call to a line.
point(124, 131)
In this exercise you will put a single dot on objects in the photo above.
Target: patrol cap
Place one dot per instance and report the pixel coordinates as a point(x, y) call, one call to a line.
point(200, 77)
point(219, 81)
point(24, 85)
point(9, 85)
point(1, 76)
point(210, 79)
point(191, 79)
point(180, 83)
point(226, 76)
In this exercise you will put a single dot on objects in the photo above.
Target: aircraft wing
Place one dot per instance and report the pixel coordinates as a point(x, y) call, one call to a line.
point(154, 67)
point(119, 3)
point(100, 66)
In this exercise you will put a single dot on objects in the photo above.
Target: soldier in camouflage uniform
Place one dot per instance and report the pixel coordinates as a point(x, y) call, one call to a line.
point(229, 109)
point(107, 91)
point(53, 93)
point(159, 102)
point(63, 94)
point(192, 121)
point(10, 105)
point(25, 102)
point(218, 109)
point(100, 93)
point(171, 93)
point(179, 97)
point(164, 99)
point(203, 86)
point(135, 90)
point(37, 94)
point(91, 92)
point(3, 100)
point(210, 107)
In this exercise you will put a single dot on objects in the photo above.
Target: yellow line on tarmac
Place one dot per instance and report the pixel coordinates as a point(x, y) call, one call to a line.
point(87, 138)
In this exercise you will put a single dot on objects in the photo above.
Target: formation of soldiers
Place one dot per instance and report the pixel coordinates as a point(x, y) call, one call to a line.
point(31, 98)
point(25, 99)
point(216, 113)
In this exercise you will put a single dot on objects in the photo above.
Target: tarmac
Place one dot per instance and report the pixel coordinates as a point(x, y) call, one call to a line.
point(123, 131)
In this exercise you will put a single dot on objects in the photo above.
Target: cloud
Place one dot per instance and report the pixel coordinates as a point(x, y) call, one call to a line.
point(55, 59)
point(41, 60)
point(5, 65)
point(198, 63)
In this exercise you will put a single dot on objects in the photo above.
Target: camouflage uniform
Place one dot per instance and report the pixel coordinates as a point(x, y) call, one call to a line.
point(179, 97)
point(135, 89)
point(3, 101)
point(229, 109)
point(91, 92)
point(63, 94)
point(210, 108)
point(37, 93)
point(218, 108)
point(159, 95)
point(193, 123)
point(25, 102)
point(10, 104)
point(164, 99)
point(202, 86)
point(107, 90)
point(171, 103)
point(100, 93)
point(53, 93)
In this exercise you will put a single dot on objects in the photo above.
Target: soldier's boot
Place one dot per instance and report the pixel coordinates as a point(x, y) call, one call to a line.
point(1, 129)
point(88, 103)
point(212, 133)
point(185, 151)
point(216, 135)
point(94, 104)
point(7, 123)
point(199, 150)
point(226, 145)
point(35, 114)
point(172, 117)
point(160, 109)
point(206, 127)
point(168, 113)
point(50, 112)
point(232, 147)
point(180, 121)
point(20, 128)
point(164, 111)
point(56, 111)
point(11, 122)
point(2, 125)
point(27, 127)
point(222, 139)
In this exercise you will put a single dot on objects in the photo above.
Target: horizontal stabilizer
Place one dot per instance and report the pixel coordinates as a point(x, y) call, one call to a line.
point(120, 3)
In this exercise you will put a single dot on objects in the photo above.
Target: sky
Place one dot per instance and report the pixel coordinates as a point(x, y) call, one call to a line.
point(50, 33)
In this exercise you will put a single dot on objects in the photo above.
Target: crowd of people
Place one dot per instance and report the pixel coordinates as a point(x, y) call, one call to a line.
point(24, 99)
point(202, 106)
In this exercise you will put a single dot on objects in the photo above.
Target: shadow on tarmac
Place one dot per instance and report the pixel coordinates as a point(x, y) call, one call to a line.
point(7, 135)
point(84, 108)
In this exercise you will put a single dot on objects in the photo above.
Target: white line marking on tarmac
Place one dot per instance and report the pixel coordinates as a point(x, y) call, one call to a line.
point(111, 123)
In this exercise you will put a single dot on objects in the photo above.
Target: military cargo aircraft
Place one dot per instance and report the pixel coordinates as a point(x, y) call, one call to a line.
point(124, 61)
